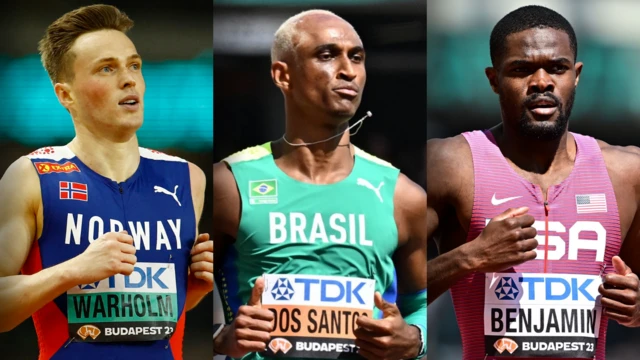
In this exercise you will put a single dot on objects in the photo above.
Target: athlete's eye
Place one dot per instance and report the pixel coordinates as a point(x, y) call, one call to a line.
point(325, 56)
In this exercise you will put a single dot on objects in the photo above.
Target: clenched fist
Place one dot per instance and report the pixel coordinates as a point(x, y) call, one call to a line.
point(112, 253)
point(508, 240)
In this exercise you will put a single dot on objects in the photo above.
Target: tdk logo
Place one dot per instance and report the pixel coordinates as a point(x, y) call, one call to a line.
point(557, 288)
point(507, 289)
point(333, 290)
point(282, 290)
point(148, 277)
point(141, 278)
point(318, 291)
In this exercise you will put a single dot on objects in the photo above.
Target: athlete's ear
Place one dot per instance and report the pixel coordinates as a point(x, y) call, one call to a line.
point(492, 75)
point(63, 92)
point(578, 68)
point(280, 75)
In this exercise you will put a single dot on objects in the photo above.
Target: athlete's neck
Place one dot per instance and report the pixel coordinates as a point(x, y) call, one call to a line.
point(116, 160)
point(536, 156)
point(323, 163)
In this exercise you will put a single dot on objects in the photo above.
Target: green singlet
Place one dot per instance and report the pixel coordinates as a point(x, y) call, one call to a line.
point(343, 229)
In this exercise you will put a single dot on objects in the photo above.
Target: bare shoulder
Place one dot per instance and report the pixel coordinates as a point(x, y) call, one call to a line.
point(227, 205)
point(21, 183)
point(410, 210)
point(223, 179)
point(22, 205)
point(410, 196)
point(198, 186)
point(449, 165)
point(198, 178)
point(621, 161)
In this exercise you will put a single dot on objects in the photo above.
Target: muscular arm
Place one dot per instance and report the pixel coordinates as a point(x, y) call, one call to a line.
point(22, 295)
point(226, 209)
point(198, 185)
point(410, 259)
point(446, 172)
point(623, 165)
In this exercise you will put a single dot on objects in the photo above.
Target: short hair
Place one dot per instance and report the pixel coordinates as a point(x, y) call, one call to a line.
point(283, 38)
point(524, 18)
point(60, 36)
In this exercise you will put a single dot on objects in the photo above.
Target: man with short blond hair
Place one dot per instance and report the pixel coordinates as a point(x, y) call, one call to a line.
point(104, 231)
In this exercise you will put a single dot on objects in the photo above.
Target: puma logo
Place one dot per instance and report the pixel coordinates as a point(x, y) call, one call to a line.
point(365, 183)
point(160, 189)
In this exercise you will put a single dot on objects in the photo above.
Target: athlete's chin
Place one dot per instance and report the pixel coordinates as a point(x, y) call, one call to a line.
point(545, 130)
point(129, 123)
point(344, 112)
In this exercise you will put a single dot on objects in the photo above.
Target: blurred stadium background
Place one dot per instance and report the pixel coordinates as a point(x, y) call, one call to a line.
point(249, 109)
point(175, 42)
point(459, 98)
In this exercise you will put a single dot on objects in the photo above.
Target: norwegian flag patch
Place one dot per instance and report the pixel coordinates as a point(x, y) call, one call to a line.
point(73, 191)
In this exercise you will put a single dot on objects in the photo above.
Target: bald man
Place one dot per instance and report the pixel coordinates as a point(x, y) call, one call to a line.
point(320, 248)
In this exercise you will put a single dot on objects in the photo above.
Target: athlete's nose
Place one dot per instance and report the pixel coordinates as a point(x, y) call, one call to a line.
point(128, 80)
point(540, 82)
point(347, 71)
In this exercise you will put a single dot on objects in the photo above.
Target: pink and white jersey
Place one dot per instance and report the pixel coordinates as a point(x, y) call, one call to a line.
point(548, 307)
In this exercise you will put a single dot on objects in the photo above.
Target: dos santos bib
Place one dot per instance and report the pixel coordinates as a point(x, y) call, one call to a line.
point(548, 307)
point(122, 317)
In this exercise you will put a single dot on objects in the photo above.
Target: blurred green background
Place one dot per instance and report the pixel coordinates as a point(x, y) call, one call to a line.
point(459, 98)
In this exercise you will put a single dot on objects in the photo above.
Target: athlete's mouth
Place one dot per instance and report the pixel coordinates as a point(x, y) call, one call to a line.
point(542, 106)
point(130, 103)
point(347, 90)
point(130, 100)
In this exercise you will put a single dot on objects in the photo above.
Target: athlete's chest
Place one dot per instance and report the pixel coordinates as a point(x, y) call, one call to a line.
point(356, 213)
point(80, 208)
point(577, 222)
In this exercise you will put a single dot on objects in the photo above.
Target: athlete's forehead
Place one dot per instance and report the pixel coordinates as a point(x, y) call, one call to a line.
point(323, 29)
point(537, 44)
point(103, 44)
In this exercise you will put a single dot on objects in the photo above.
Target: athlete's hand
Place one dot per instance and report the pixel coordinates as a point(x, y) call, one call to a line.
point(250, 331)
point(201, 268)
point(389, 338)
point(506, 241)
point(621, 295)
point(110, 254)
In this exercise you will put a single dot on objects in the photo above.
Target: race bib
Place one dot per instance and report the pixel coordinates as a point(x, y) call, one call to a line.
point(315, 315)
point(140, 307)
point(541, 315)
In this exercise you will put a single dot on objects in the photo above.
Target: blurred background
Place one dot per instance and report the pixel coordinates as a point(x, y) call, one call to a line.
point(175, 42)
point(459, 99)
point(250, 109)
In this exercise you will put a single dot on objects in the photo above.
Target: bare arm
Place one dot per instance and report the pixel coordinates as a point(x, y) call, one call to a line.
point(250, 330)
point(450, 266)
point(623, 166)
point(410, 259)
point(226, 209)
point(507, 240)
point(22, 295)
point(195, 291)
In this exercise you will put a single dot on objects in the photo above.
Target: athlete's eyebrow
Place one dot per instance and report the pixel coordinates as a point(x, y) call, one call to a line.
point(335, 47)
point(555, 61)
point(111, 58)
